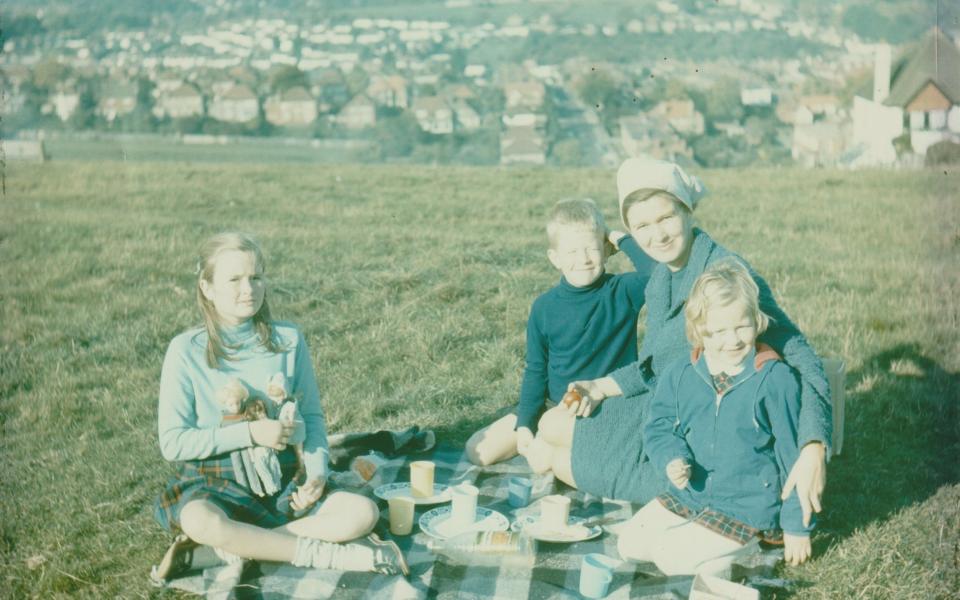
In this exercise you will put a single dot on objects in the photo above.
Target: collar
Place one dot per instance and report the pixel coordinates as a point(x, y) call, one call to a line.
point(661, 278)
point(760, 355)
point(237, 334)
point(569, 288)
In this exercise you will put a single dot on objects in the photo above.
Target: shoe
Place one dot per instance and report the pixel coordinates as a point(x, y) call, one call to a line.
point(387, 557)
point(176, 561)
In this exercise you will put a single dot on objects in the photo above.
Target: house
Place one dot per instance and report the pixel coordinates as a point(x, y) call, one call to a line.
point(466, 117)
point(819, 144)
point(329, 88)
point(521, 116)
point(117, 98)
point(183, 101)
point(524, 93)
point(433, 114)
point(652, 136)
point(927, 90)
point(237, 105)
point(359, 113)
point(64, 103)
point(681, 115)
point(459, 92)
point(757, 96)
point(294, 106)
point(522, 146)
point(391, 90)
point(920, 93)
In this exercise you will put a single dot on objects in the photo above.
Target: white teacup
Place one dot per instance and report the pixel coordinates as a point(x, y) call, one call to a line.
point(554, 512)
point(463, 505)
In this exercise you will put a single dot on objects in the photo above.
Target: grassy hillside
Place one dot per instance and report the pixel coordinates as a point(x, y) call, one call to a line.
point(413, 285)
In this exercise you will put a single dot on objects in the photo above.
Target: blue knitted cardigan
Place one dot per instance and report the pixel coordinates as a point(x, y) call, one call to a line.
point(665, 339)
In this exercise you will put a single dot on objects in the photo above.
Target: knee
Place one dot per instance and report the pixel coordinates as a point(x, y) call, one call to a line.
point(474, 449)
point(358, 515)
point(203, 523)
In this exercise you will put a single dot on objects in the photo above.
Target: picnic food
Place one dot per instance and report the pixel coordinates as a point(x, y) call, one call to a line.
point(495, 548)
point(571, 397)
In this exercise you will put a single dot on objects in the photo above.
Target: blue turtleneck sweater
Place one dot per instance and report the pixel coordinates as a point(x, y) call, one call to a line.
point(576, 333)
point(189, 417)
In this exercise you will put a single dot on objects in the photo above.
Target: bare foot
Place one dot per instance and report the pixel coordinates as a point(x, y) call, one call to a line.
point(539, 455)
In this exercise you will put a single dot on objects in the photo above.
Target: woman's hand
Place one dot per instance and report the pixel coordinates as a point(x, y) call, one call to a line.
point(270, 433)
point(307, 494)
point(809, 476)
point(678, 472)
point(796, 548)
point(524, 439)
point(592, 393)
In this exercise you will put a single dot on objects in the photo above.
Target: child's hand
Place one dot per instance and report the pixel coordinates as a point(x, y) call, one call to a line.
point(524, 439)
point(307, 494)
point(613, 238)
point(796, 548)
point(678, 472)
point(270, 433)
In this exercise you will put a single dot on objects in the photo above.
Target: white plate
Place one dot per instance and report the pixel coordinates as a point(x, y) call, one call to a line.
point(436, 522)
point(575, 531)
point(441, 493)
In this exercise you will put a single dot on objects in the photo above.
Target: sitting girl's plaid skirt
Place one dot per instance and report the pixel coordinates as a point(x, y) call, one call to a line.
point(213, 479)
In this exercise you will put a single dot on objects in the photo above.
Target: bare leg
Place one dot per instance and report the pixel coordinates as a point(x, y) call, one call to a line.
point(494, 443)
point(206, 523)
point(342, 517)
point(562, 468)
point(556, 427)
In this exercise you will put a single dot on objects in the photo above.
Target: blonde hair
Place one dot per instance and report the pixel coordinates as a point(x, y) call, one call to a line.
point(721, 284)
point(582, 212)
point(206, 263)
point(644, 194)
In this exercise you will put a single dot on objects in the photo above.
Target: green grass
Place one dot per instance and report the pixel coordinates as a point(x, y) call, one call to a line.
point(413, 285)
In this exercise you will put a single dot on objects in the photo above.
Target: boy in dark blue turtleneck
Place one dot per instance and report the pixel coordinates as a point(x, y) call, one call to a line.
point(582, 328)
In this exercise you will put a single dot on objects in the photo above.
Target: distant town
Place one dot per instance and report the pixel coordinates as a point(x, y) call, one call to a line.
point(527, 90)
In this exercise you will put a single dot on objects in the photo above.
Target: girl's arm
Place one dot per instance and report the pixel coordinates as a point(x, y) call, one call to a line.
point(316, 453)
point(782, 407)
point(180, 438)
point(663, 438)
point(533, 388)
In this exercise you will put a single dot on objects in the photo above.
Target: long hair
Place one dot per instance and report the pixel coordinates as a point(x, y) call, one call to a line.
point(206, 263)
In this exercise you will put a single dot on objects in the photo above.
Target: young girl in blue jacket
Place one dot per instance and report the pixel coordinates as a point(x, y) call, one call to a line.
point(722, 426)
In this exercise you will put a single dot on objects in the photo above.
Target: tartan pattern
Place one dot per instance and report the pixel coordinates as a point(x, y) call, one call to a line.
point(556, 573)
point(716, 522)
point(722, 382)
point(214, 479)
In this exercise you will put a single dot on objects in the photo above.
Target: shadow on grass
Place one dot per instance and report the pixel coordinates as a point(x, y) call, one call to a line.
point(902, 440)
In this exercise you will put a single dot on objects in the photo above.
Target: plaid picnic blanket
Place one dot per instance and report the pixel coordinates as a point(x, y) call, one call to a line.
point(555, 574)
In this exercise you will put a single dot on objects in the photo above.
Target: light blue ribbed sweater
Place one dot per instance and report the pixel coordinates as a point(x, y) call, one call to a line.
point(189, 417)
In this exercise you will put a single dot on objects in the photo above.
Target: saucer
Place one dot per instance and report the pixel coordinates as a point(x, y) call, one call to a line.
point(436, 523)
point(441, 493)
point(575, 531)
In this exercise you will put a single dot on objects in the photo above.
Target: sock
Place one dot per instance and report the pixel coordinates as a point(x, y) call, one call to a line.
point(327, 555)
point(227, 557)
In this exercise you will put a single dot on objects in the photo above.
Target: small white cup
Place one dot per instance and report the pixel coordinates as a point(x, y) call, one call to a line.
point(554, 512)
point(401, 509)
point(421, 478)
point(463, 505)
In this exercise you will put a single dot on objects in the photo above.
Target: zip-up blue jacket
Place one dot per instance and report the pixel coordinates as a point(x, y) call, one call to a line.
point(741, 443)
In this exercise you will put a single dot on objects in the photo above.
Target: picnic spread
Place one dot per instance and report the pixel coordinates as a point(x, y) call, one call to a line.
point(556, 566)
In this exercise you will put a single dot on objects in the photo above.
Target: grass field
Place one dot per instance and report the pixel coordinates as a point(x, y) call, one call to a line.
point(413, 285)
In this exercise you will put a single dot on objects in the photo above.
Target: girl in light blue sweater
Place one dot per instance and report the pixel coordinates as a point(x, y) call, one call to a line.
point(204, 503)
